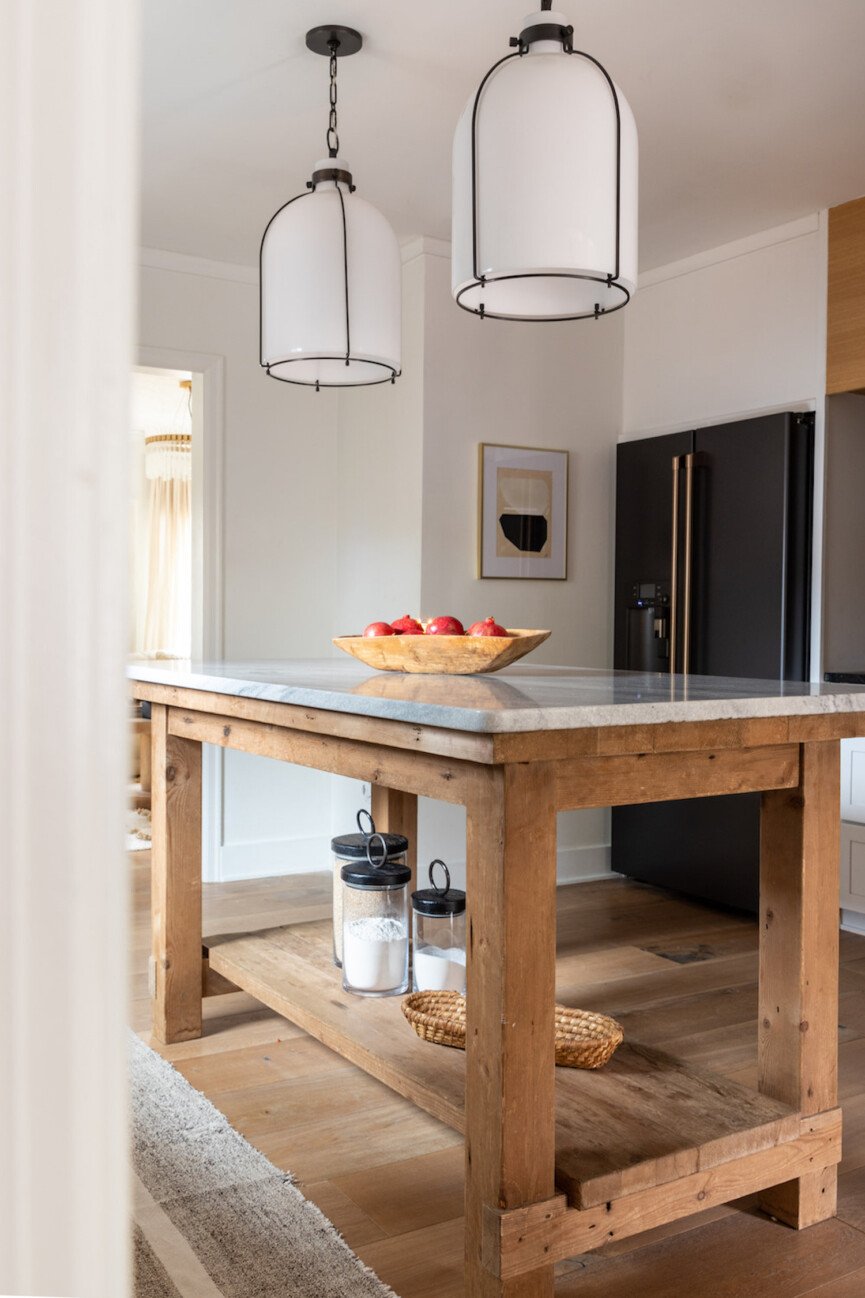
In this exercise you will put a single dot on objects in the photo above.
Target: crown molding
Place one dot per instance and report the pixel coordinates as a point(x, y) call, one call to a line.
point(423, 246)
point(182, 264)
point(728, 251)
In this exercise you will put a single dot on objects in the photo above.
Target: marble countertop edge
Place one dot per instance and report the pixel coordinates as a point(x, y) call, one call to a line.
point(524, 713)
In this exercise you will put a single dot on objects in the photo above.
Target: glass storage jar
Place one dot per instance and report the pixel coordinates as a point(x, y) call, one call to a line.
point(439, 936)
point(353, 847)
point(375, 923)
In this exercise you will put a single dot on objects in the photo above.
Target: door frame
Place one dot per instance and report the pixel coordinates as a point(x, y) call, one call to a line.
point(208, 627)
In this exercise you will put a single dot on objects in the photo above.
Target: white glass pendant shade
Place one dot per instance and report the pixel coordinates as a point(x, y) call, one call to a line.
point(555, 178)
point(330, 290)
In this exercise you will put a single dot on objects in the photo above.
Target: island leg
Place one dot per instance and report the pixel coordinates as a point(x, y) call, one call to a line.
point(395, 812)
point(798, 1005)
point(176, 883)
point(510, 1049)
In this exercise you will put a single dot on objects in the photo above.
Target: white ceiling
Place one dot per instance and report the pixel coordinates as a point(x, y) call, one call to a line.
point(750, 112)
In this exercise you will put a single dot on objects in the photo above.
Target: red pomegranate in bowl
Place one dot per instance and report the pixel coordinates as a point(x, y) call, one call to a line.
point(379, 628)
point(407, 626)
point(488, 627)
point(445, 626)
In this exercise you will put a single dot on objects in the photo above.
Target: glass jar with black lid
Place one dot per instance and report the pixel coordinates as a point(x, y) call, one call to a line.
point(350, 848)
point(375, 923)
point(439, 935)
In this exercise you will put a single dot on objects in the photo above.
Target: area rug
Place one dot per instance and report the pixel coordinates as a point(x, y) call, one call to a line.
point(215, 1219)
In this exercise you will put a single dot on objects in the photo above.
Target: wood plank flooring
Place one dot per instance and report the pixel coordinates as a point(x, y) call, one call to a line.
point(678, 974)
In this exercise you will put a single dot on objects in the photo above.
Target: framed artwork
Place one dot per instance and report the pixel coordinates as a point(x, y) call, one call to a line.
point(522, 512)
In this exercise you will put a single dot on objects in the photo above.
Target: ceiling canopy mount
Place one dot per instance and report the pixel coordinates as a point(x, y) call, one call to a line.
point(332, 39)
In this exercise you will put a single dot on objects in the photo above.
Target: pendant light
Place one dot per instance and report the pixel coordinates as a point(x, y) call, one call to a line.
point(330, 269)
point(545, 184)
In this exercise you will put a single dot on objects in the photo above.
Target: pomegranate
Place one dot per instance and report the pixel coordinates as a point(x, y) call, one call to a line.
point(379, 628)
point(445, 626)
point(407, 626)
point(488, 627)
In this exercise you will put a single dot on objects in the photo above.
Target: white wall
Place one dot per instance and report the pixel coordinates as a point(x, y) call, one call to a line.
point(737, 330)
point(279, 540)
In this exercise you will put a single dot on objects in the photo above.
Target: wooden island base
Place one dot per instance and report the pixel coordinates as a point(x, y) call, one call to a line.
point(558, 1161)
point(640, 1142)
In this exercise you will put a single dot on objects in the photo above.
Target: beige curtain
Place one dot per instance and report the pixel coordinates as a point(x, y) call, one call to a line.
point(167, 625)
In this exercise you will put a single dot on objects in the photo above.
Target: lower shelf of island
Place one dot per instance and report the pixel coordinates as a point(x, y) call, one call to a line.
point(626, 1132)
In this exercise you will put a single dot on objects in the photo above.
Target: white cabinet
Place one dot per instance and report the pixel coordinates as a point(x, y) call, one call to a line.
point(853, 825)
point(852, 866)
point(853, 780)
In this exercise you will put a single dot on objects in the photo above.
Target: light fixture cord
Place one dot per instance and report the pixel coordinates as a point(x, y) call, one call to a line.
point(332, 135)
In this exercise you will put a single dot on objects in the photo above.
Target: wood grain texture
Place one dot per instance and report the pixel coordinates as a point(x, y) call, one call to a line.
point(641, 1121)
point(798, 1033)
point(845, 325)
point(660, 777)
point(520, 1240)
point(424, 773)
point(510, 1067)
point(395, 812)
point(320, 721)
point(441, 655)
point(176, 883)
point(710, 1253)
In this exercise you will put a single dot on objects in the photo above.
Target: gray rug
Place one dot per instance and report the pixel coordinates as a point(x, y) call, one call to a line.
point(215, 1219)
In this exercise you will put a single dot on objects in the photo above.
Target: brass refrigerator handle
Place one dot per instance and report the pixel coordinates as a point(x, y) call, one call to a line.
point(686, 595)
point(674, 568)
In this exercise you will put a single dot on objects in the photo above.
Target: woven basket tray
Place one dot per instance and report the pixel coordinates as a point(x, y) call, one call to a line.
point(583, 1039)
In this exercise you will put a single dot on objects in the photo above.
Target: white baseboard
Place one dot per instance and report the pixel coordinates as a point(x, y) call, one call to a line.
point(275, 857)
point(582, 864)
point(853, 921)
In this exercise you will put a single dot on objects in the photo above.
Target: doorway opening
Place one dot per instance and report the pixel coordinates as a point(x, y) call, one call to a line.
point(160, 407)
point(163, 583)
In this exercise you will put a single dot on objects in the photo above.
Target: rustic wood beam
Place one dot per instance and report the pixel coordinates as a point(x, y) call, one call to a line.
point(519, 1240)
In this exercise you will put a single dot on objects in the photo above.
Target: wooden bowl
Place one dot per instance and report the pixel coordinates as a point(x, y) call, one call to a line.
point(450, 655)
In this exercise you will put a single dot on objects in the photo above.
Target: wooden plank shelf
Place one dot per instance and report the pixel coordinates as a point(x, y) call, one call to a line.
point(645, 1120)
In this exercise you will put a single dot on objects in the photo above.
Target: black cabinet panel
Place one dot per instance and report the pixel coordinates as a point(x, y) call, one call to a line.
point(741, 548)
point(708, 847)
point(643, 531)
point(752, 489)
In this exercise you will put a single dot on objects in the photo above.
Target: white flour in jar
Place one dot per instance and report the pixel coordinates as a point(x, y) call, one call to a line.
point(374, 954)
point(437, 969)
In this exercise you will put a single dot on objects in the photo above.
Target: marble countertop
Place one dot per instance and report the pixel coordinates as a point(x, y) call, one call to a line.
point(518, 698)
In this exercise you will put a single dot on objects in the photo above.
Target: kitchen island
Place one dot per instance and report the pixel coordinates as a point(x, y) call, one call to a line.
point(558, 1161)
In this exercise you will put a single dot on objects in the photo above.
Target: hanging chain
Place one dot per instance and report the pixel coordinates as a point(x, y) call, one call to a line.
point(332, 135)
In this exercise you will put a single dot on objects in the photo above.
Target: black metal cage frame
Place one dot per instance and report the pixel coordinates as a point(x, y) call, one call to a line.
point(522, 43)
point(339, 178)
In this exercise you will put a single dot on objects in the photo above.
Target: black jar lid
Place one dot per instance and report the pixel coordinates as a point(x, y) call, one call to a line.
point(353, 847)
point(439, 901)
point(360, 874)
point(375, 872)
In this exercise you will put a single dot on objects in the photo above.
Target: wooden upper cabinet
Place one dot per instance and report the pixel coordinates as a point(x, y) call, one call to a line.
point(845, 354)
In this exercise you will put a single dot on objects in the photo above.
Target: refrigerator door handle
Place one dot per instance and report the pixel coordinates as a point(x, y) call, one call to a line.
point(674, 569)
point(686, 594)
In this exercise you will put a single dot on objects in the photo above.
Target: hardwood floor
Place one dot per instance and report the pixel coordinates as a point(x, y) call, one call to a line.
point(677, 975)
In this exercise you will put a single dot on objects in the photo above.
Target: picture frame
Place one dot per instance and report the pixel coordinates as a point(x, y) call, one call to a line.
point(522, 512)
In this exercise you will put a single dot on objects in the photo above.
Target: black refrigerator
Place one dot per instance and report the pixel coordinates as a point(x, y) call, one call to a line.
point(713, 578)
